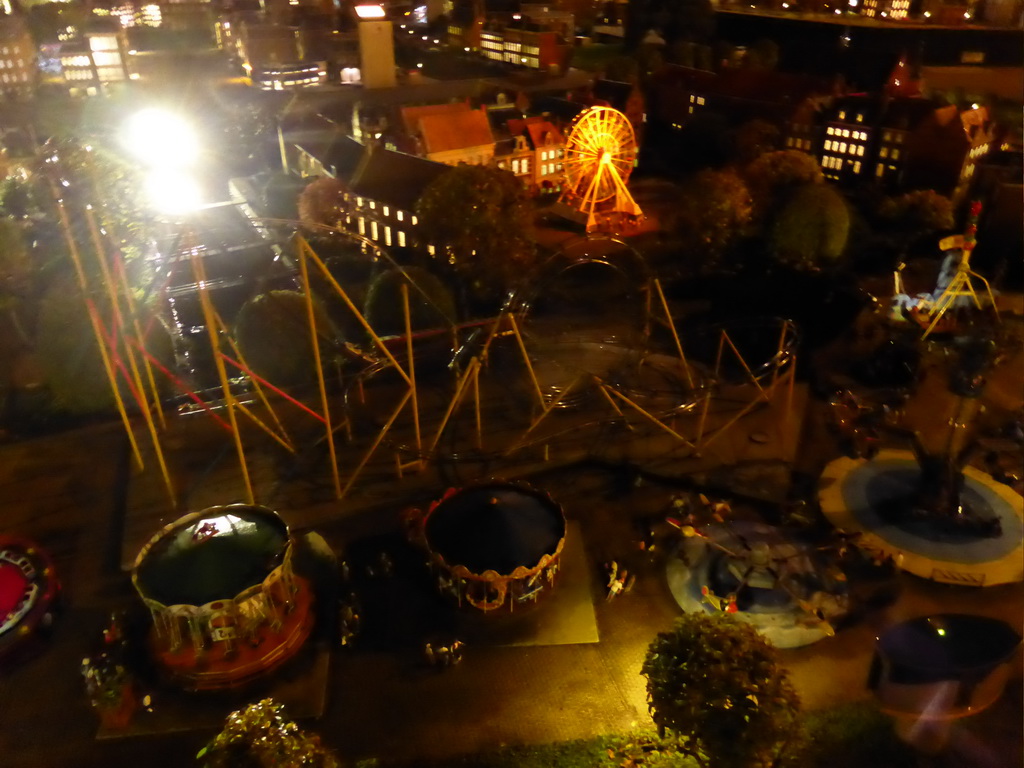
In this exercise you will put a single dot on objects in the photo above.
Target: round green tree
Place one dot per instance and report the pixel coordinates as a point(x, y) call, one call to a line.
point(773, 178)
point(323, 203)
point(431, 304)
point(481, 219)
point(272, 332)
point(810, 232)
point(711, 213)
point(715, 685)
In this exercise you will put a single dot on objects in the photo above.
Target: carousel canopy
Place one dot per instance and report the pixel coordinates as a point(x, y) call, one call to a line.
point(211, 555)
point(947, 646)
point(496, 527)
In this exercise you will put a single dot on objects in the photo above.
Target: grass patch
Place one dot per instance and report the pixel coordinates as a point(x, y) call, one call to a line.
point(850, 736)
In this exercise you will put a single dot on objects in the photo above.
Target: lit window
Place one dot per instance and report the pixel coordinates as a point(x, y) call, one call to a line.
point(886, 136)
point(387, 235)
point(842, 114)
point(515, 166)
point(692, 97)
point(373, 230)
point(895, 154)
point(856, 167)
point(400, 215)
point(362, 226)
point(831, 130)
point(860, 117)
point(431, 250)
point(846, 134)
point(860, 150)
point(879, 169)
point(387, 211)
point(842, 147)
point(700, 100)
point(415, 220)
point(401, 239)
point(883, 152)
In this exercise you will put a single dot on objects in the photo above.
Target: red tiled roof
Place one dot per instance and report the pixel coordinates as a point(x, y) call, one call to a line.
point(411, 116)
point(459, 130)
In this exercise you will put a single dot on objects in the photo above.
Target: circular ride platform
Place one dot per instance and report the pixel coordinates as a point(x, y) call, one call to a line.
point(853, 492)
point(29, 591)
point(784, 587)
point(226, 603)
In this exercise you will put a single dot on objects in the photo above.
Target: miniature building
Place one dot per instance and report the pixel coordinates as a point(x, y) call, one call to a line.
point(17, 57)
point(226, 603)
point(95, 61)
point(376, 47)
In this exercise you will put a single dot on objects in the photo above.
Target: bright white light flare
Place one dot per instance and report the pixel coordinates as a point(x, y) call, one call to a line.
point(172, 191)
point(161, 139)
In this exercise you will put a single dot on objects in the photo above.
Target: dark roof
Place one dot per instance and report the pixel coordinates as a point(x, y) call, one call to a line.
point(394, 178)
point(560, 109)
point(343, 157)
point(615, 92)
point(314, 134)
point(908, 113)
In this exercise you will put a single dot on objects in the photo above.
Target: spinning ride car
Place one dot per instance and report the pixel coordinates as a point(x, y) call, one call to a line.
point(227, 605)
point(491, 542)
point(29, 591)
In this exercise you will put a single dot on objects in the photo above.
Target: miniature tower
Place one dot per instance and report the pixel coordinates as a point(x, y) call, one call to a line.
point(376, 47)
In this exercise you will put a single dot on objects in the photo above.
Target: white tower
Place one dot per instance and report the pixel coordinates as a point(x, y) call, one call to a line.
point(376, 47)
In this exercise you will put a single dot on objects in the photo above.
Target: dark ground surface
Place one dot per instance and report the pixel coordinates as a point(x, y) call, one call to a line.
point(67, 492)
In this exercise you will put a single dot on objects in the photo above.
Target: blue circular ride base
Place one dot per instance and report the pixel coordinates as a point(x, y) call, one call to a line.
point(768, 597)
point(854, 494)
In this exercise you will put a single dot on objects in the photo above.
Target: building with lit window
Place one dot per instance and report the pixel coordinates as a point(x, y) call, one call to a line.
point(537, 153)
point(905, 143)
point(284, 77)
point(787, 100)
point(96, 61)
point(520, 41)
point(17, 57)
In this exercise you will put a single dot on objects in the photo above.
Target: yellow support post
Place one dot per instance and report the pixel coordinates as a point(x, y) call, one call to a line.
point(283, 438)
point(526, 359)
point(126, 290)
point(213, 329)
point(745, 366)
point(97, 329)
point(376, 443)
point(650, 417)
point(454, 402)
point(412, 367)
point(675, 335)
point(479, 416)
point(540, 417)
point(311, 319)
point(304, 247)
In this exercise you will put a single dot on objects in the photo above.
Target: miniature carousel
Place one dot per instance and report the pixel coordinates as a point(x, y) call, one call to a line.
point(493, 544)
point(227, 605)
point(29, 592)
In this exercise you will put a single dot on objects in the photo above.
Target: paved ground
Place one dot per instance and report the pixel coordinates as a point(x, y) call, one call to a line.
point(67, 492)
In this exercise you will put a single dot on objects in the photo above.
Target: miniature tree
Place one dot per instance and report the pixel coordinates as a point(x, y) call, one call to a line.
point(811, 231)
point(773, 177)
point(711, 213)
point(913, 215)
point(260, 736)
point(322, 203)
point(16, 270)
point(482, 220)
point(431, 304)
point(715, 686)
point(272, 331)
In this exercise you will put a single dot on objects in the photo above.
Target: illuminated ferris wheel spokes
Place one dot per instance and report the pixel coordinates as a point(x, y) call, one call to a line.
point(599, 156)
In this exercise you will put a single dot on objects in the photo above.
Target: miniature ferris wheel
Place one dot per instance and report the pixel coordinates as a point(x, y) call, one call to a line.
point(599, 156)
